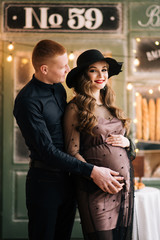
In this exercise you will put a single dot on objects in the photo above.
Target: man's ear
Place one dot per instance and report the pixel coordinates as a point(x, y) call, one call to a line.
point(44, 69)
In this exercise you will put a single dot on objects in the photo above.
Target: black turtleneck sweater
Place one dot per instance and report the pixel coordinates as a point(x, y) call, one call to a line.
point(38, 110)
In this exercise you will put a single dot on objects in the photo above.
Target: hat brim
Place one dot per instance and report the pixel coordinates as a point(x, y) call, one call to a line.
point(114, 69)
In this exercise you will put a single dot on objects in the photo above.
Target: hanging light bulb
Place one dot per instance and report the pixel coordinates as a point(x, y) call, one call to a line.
point(24, 61)
point(136, 62)
point(9, 58)
point(156, 43)
point(138, 39)
point(136, 140)
point(150, 91)
point(10, 46)
point(134, 104)
point(129, 86)
point(71, 56)
point(135, 120)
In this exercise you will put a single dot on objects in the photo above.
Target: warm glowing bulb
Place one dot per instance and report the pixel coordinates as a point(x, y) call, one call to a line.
point(10, 46)
point(136, 140)
point(136, 150)
point(9, 58)
point(134, 104)
point(135, 120)
point(129, 86)
point(150, 91)
point(159, 88)
point(24, 61)
point(156, 43)
point(137, 94)
point(136, 62)
point(138, 39)
point(71, 56)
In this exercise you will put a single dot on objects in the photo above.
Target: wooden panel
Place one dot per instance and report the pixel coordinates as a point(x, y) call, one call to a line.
point(20, 212)
point(14, 210)
point(138, 165)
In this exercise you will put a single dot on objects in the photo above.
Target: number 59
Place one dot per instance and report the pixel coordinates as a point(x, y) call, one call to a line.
point(92, 18)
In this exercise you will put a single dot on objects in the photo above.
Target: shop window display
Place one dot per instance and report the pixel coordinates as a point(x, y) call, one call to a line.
point(145, 95)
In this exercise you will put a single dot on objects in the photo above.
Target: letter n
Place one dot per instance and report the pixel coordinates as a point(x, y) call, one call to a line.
point(30, 13)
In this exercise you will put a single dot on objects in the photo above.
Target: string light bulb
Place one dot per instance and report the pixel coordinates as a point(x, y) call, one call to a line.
point(9, 58)
point(71, 56)
point(135, 120)
point(157, 43)
point(136, 62)
point(150, 91)
point(10, 46)
point(24, 61)
point(129, 86)
point(134, 104)
point(138, 39)
point(136, 150)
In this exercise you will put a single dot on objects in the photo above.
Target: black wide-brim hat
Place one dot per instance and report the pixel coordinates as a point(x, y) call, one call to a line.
point(86, 59)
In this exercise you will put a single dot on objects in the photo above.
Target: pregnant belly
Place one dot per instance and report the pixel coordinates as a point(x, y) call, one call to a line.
point(111, 157)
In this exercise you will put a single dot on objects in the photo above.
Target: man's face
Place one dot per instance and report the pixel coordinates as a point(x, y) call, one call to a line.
point(57, 68)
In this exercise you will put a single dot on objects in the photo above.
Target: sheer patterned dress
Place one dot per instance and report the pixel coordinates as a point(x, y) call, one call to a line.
point(103, 216)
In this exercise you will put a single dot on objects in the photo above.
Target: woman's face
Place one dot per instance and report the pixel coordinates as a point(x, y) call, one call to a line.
point(98, 74)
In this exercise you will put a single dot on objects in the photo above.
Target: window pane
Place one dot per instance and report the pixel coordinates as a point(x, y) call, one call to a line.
point(21, 152)
point(23, 71)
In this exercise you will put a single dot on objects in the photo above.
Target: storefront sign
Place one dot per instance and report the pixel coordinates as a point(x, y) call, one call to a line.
point(144, 16)
point(153, 17)
point(62, 18)
point(148, 54)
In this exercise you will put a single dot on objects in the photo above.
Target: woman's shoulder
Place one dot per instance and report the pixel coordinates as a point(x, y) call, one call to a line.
point(72, 105)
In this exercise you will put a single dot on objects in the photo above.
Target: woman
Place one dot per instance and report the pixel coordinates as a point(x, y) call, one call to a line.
point(95, 132)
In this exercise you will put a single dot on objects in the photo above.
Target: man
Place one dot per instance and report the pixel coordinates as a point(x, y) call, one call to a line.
point(39, 109)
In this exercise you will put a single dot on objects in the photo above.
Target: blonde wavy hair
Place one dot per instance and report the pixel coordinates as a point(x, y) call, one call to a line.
point(86, 104)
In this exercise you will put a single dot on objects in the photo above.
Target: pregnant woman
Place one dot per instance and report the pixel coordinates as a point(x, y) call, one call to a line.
point(95, 131)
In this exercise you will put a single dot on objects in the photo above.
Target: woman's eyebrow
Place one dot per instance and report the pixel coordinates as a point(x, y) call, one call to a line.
point(92, 67)
point(96, 67)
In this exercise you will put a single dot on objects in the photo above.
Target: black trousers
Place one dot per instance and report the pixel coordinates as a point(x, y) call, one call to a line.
point(51, 205)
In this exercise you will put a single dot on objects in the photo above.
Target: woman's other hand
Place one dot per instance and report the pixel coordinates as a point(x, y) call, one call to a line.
point(118, 141)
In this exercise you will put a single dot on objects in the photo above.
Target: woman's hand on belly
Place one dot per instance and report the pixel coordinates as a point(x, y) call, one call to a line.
point(118, 141)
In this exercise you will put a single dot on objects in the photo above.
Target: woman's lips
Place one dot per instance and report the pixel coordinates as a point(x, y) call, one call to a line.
point(99, 81)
